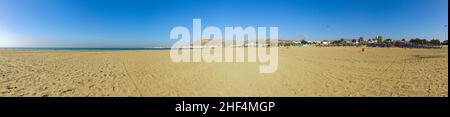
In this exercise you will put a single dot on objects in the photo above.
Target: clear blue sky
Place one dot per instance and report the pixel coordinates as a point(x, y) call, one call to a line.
point(144, 23)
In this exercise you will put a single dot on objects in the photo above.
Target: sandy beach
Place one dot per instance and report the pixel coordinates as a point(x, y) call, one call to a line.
point(302, 72)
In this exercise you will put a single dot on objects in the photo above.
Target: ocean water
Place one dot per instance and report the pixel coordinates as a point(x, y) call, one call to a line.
point(86, 49)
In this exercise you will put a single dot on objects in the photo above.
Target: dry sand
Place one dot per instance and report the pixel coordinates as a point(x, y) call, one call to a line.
point(302, 72)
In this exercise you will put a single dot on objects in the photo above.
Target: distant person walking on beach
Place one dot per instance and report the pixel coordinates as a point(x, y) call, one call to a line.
point(363, 49)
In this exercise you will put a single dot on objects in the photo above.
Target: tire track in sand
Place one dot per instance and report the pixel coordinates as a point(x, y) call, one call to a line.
point(131, 78)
